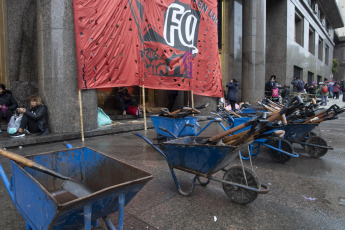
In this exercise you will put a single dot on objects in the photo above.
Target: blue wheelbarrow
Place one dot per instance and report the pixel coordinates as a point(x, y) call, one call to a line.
point(168, 128)
point(280, 150)
point(204, 160)
point(43, 203)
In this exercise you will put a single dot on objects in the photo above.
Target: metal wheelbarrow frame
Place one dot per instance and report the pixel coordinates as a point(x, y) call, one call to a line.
point(280, 150)
point(169, 128)
point(39, 198)
point(204, 160)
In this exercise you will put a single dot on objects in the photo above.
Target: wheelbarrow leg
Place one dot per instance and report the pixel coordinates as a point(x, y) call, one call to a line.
point(106, 219)
point(87, 216)
point(121, 209)
point(178, 185)
point(27, 226)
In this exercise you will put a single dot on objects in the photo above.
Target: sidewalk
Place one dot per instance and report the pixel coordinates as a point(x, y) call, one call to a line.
point(331, 102)
point(118, 126)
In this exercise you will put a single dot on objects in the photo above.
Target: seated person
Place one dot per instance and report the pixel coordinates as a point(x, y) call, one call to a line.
point(7, 103)
point(34, 119)
point(124, 100)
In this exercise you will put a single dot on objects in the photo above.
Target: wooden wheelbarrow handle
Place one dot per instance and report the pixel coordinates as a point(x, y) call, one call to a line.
point(17, 158)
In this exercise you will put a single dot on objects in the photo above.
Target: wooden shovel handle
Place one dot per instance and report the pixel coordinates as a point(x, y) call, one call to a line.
point(17, 158)
point(233, 113)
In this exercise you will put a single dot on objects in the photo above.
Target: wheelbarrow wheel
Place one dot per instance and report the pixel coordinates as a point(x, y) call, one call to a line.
point(316, 151)
point(236, 194)
point(277, 156)
point(202, 182)
point(311, 134)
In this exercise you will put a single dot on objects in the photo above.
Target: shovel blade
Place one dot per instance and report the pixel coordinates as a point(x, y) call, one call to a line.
point(77, 188)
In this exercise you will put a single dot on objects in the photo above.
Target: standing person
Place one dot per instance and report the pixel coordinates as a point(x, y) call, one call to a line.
point(7, 103)
point(323, 90)
point(312, 90)
point(232, 93)
point(336, 90)
point(298, 85)
point(269, 86)
point(285, 94)
point(342, 86)
point(172, 95)
point(35, 119)
point(275, 93)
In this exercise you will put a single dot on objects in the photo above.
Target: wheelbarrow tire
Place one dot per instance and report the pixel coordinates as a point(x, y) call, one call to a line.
point(202, 182)
point(311, 134)
point(316, 152)
point(240, 195)
point(276, 156)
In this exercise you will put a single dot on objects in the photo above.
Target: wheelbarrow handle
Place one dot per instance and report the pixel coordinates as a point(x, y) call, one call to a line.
point(153, 146)
point(29, 163)
point(167, 131)
point(17, 158)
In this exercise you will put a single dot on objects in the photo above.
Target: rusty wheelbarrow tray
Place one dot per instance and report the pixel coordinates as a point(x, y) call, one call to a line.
point(44, 205)
point(204, 160)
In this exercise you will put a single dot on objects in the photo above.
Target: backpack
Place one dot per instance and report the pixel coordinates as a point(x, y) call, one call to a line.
point(300, 85)
point(324, 89)
point(133, 110)
point(275, 92)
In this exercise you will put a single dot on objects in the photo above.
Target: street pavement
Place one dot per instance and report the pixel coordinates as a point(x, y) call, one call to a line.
point(305, 192)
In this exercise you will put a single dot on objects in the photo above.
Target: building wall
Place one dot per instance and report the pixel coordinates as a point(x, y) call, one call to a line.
point(300, 56)
point(283, 53)
point(339, 54)
point(341, 31)
point(276, 40)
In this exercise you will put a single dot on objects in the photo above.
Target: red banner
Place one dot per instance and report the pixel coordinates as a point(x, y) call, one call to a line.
point(162, 44)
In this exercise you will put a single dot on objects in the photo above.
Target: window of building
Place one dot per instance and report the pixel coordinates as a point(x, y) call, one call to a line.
point(319, 79)
point(320, 49)
point(297, 72)
point(326, 55)
point(310, 77)
point(299, 28)
point(311, 47)
point(343, 61)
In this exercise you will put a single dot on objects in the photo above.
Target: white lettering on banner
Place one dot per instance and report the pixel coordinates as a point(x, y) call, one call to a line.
point(180, 27)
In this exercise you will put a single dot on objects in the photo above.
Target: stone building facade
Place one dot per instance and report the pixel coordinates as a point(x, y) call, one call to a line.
point(258, 38)
point(339, 50)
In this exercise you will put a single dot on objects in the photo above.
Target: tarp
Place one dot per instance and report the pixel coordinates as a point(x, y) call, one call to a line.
point(162, 44)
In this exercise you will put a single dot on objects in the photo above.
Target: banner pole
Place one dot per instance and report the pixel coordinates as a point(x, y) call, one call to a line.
point(144, 107)
point(81, 117)
point(192, 99)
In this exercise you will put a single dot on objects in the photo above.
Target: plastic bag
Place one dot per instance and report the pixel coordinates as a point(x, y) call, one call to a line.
point(14, 123)
point(102, 118)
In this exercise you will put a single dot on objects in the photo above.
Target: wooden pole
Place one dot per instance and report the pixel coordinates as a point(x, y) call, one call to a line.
point(144, 107)
point(192, 98)
point(81, 116)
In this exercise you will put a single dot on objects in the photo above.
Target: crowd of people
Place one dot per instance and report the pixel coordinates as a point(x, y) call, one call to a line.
point(282, 93)
point(22, 121)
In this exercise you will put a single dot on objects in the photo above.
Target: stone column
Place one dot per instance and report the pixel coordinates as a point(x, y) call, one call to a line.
point(254, 45)
point(57, 69)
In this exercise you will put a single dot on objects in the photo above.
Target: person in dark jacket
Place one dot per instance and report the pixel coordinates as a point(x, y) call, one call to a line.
point(35, 119)
point(269, 86)
point(232, 93)
point(124, 99)
point(7, 103)
point(285, 94)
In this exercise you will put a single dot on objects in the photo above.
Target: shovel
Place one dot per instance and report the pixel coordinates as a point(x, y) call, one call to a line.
point(75, 187)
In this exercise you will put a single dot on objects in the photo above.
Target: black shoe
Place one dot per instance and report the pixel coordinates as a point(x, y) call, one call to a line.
point(45, 132)
point(18, 134)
